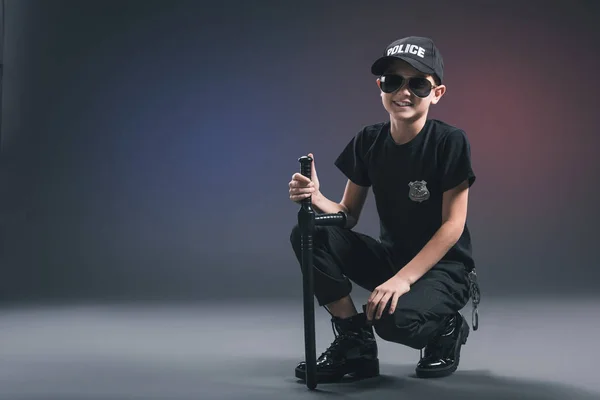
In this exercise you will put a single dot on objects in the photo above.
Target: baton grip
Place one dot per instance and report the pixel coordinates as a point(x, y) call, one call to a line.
point(305, 170)
point(306, 166)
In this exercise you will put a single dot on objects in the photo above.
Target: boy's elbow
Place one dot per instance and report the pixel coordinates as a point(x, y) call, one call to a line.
point(351, 222)
point(351, 218)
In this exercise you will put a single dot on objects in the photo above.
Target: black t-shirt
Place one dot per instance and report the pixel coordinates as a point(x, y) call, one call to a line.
point(408, 182)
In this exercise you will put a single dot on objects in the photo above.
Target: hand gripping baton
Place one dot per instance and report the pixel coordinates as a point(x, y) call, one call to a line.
point(307, 220)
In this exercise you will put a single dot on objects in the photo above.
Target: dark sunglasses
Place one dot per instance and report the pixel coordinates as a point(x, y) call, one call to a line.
point(419, 86)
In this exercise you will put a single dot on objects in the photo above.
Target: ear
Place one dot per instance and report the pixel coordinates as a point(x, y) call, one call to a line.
point(379, 83)
point(438, 92)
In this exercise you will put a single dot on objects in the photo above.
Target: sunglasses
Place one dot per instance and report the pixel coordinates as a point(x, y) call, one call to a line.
point(419, 86)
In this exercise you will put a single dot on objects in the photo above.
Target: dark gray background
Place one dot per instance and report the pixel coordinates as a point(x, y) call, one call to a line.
point(147, 145)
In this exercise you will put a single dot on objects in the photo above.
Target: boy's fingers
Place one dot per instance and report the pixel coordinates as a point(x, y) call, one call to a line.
point(296, 184)
point(299, 177)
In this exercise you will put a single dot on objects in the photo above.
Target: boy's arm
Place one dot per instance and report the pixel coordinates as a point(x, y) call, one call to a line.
point(454, 216)
point(352, 203)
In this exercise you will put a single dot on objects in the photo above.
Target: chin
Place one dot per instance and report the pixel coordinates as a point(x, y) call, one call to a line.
point(403, 115)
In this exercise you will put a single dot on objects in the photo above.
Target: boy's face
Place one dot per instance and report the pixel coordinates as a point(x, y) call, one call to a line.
point(403, 104)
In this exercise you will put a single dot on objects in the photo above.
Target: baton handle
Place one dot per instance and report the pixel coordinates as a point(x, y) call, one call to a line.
point(306, 170)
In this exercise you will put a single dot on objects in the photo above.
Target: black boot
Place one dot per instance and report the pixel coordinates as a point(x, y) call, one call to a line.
point(353, 352)
point(442, 354)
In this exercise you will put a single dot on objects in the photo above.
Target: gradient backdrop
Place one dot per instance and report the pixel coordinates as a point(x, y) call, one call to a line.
point(147, 145)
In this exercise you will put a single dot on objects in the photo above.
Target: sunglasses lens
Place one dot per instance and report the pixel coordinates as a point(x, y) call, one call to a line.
point(391, 83)
point(420, 87)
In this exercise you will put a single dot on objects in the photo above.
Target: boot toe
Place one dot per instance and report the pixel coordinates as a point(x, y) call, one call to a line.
point(436, 369)
point(433, 364)
point(444, 356)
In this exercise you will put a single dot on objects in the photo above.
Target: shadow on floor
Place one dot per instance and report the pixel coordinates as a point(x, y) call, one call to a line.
point(400, 380)
point(252, 378)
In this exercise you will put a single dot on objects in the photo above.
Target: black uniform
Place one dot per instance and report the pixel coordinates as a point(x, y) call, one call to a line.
point(408, 182)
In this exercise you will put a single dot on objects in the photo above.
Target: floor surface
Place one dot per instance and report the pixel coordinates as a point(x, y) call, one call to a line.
point(524, 349)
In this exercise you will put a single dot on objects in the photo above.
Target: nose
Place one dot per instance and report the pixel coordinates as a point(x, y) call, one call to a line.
point(404, 89)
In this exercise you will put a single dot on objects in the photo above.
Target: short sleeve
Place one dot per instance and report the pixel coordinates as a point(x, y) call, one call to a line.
point(351, 160)
point(456, 161)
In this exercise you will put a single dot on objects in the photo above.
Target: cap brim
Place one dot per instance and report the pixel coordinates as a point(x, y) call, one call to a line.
point(381, 65)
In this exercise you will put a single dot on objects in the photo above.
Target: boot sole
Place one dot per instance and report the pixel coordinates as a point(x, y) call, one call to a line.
point(443, 372)
point(361, 369)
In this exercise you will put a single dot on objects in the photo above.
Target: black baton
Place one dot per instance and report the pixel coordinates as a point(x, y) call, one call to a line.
point(307, 220)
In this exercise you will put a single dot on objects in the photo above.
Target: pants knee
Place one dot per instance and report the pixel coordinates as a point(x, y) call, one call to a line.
point(402, 327)
point(320, 235)
point(295, 235)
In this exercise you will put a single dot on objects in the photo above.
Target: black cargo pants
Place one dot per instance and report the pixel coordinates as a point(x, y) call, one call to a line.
point(342, 256)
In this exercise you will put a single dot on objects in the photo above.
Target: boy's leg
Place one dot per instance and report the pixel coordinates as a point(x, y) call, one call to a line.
point(427, 317)
point(342, 256)
point(339, 257)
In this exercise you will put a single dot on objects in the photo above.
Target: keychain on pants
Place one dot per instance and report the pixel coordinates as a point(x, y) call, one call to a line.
point(475, 297)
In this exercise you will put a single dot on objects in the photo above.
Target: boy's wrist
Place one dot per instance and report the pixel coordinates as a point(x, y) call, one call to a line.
point(316, 198)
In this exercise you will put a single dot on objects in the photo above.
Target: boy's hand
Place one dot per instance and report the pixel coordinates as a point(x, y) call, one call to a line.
point(391, 289)
point(301, 187)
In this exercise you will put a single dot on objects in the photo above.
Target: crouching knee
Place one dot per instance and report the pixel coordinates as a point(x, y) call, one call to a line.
point(295, 235)
point(402, 327)
point(320, 235)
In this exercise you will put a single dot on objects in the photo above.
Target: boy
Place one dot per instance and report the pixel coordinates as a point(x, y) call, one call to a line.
point(418, 268)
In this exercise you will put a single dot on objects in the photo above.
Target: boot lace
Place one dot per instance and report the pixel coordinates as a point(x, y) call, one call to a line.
point(339, 338)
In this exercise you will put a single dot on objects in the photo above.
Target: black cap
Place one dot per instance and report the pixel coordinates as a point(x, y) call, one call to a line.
point(420, 52)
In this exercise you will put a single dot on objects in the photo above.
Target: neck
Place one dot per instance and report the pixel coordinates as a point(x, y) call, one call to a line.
point(403, 131)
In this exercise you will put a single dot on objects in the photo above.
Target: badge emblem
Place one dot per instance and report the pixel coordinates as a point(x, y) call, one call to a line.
point(418, 191)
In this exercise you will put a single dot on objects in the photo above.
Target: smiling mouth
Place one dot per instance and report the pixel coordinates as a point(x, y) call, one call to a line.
point(402, 103)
